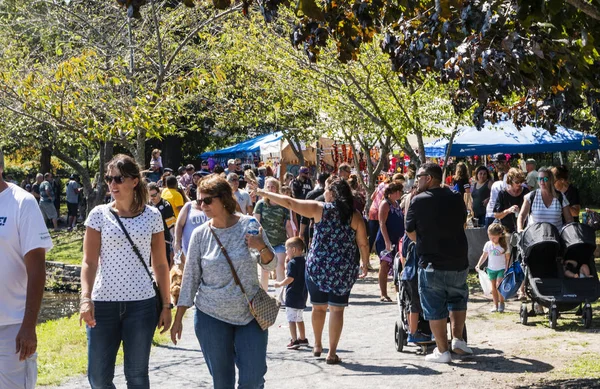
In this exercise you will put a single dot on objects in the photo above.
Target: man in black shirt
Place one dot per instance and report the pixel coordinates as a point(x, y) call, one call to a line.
point(305, 222)
point(302, 184)
point(435, 220)
point(168, 216)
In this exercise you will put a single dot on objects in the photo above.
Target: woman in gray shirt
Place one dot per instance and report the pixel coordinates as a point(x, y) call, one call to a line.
point(229, 335)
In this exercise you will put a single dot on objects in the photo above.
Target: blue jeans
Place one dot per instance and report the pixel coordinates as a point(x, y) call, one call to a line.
point(226, 346)
point(130, 322)
point(442, 290)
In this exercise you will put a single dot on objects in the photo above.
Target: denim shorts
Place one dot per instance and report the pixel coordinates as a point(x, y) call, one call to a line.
point(318, 297)
point(442, 291)
point(279, 249)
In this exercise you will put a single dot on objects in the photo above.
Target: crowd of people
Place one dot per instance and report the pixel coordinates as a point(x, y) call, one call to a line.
point(314, 240)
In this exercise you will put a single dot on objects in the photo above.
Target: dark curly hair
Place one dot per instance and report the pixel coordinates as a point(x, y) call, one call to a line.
point(342, 197)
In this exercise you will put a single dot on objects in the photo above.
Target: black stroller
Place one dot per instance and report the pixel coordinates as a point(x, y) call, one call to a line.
point(401, 330)
point(541, 248)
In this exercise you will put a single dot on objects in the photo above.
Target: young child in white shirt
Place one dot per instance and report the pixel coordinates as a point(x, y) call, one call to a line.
point(498, 255)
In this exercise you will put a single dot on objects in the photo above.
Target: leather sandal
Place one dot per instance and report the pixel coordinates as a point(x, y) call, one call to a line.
point(333, 361)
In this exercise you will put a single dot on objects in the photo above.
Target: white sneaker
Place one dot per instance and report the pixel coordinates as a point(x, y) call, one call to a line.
point(439, 357)
point(501, 307)
point(493, 310)
point(460, 347)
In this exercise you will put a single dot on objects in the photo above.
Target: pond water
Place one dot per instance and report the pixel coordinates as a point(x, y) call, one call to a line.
point(56, 305)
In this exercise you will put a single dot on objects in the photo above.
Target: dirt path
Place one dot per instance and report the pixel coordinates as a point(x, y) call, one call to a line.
point(507, 354)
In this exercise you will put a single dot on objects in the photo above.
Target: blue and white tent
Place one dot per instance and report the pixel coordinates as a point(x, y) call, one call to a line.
point(247, 147)
point(504, 137)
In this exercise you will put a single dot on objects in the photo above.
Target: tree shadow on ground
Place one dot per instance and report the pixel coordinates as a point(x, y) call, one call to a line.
point(492, 360)
point(576, 383)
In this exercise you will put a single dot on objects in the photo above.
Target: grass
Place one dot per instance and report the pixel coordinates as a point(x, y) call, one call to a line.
point(586, 366)
point(62, 350)
point(68, 247)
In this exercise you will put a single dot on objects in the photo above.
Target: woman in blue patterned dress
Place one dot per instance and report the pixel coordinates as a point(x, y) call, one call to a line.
point(331, 268)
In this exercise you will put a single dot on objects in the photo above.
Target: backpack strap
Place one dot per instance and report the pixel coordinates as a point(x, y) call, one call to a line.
point(560, 200)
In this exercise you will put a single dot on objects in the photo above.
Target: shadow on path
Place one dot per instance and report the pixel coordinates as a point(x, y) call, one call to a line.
point(405, 369)
point(492, 360)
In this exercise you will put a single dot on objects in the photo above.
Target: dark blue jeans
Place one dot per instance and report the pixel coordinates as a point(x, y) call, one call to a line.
point(130, 322)
point(226, 346)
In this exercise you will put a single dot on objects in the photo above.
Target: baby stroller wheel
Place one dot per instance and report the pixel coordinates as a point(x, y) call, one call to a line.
point(587, 317)
point(553, 317)
point(523, 314)
point(399, 337)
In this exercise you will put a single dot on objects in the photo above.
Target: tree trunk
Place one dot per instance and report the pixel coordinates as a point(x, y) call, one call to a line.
point(449, 150)
point(140, 147)
point(296, 147)
point(171, 153)
point(45, 165)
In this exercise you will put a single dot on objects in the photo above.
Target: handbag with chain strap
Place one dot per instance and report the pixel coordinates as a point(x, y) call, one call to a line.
point(263, 307)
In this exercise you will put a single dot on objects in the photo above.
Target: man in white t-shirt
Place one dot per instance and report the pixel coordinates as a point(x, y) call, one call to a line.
point(242, 197)
point(24, 240)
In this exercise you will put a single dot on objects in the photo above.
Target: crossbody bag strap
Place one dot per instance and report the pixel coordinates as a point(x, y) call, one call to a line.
point(233, 272)
point(135, 249)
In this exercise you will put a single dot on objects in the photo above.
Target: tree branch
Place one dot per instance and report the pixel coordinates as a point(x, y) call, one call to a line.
point(586, 8)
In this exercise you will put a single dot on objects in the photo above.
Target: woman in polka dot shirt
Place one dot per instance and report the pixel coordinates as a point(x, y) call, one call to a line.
point(118, 302)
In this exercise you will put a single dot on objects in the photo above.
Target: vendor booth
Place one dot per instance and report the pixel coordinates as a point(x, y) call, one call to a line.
point(282, 158)
point(248, 151)
point(504, 137)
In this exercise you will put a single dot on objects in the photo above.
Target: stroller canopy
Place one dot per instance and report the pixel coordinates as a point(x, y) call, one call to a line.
point(578, 238)
point(538, 234)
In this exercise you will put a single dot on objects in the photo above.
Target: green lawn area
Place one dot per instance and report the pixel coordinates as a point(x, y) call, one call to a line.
point(62, 350)
point(68, 247)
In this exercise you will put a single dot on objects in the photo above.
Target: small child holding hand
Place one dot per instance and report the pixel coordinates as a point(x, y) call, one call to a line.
point(296, 293)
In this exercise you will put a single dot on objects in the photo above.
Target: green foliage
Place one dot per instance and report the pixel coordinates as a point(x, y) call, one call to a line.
point(545, 52)
point(587, 181)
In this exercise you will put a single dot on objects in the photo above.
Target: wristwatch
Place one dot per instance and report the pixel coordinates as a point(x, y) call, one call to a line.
point(170, 306)
point(263, 249)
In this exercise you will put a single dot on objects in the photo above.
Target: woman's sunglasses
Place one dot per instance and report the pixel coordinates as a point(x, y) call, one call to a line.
point(116, 179)
point(206, 200)
point(544, 179)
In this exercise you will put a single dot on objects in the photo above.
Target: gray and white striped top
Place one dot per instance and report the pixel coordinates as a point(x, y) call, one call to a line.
point(540, 213)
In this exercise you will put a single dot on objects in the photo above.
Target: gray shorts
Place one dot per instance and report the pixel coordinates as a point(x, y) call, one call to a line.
point(48, 210)
point(15, 374)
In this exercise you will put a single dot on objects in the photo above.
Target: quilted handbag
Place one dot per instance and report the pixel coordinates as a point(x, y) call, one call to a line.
point(263, 307)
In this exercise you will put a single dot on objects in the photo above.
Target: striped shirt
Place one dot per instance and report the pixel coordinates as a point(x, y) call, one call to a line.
point(540, 213)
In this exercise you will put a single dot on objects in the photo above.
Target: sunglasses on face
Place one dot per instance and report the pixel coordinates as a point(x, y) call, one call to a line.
point(206, 200)
point(543, 179)
point(153, 195)
point(422, 175)
point(116, 179)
